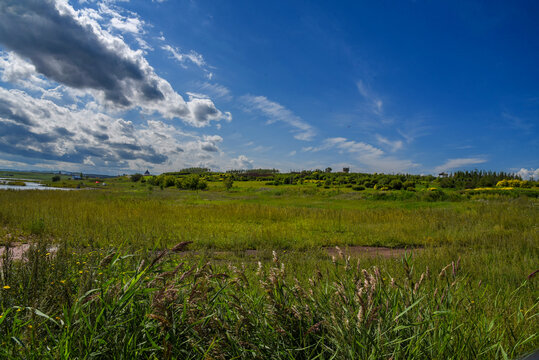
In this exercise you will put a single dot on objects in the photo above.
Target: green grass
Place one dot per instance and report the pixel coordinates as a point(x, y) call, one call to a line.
point(264, 221)
point(116, 305)
point(218, 304)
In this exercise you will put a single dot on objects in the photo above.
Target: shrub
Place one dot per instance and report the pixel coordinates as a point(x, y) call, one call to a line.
point(434, 194)
point(191, 182)
point(56, 178)
point(136, 177)
point(408, 184)
point(395, 184)
point(358, 188)
point(446, 182)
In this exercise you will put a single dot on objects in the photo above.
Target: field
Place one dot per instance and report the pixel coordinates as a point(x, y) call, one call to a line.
point(261, 276)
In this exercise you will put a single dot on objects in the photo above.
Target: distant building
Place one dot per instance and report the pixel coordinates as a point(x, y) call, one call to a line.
point(346, 170)
point(147, 173)
point(443, 175)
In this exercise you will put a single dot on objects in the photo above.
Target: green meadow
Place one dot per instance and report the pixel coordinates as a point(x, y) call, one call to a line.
point(267, 271)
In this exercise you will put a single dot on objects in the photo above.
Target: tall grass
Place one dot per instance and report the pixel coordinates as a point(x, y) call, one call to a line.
point(161, 306)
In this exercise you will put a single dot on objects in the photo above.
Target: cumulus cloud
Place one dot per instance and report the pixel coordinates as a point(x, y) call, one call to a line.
point(16, 70)
point(39, 129)
point(70, 47)
point(527, 174)
point(241, 162)
point(276, 112)
point(457, 163)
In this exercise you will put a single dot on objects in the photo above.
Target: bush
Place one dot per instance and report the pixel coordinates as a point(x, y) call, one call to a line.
point(358, 188)
point(408, 184)
point(136, 177)
point(56, 178)
point(434, 195)
point(446, 183)
point(191, 182)
point(395, 184)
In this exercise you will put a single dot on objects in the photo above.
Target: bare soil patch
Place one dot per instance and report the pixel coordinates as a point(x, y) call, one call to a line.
point(371, 251)
point(19, 249)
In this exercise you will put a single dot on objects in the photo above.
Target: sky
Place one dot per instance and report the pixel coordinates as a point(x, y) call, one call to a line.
point(421, 87)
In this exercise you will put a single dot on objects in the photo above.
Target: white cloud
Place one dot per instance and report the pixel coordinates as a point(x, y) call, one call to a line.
point(217, 90)
point(457, 163)
point(375, 103)
point(527, 174)
point(276, 112)
point(18, 71)
point(182, 58)
point(393, 145)
point(241, 162)
point(40, 130)
point(370, 158)
point(517, 122)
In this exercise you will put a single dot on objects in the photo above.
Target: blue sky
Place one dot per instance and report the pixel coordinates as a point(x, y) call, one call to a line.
point(396, 87)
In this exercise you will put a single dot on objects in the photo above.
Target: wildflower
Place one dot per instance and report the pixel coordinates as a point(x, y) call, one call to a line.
point(7, 287)
point(30, 326)
point(19, 309)
point(57, 318)
point(1, 316)
point(78, 262)
point(47, 254)
point(63, 281)
point(80, 272)
point(100, 273)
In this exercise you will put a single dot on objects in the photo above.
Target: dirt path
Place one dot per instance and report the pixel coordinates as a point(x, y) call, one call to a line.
point(19, 249)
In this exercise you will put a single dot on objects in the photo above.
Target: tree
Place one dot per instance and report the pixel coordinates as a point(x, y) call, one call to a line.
point(228, 182)
point(328, 169)
point(56, 178)
point(136, 177)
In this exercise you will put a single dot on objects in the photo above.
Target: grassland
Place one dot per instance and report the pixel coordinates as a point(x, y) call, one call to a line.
point(110, 292)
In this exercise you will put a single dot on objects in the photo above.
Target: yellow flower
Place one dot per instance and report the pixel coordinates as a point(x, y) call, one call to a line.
point(78, 263)
point(47, 254)
point(57, 318)
point(30, 326)
point(100, 273)
point(63, 281)
point(19, 309)
point(80, 272)
point(7, 287)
